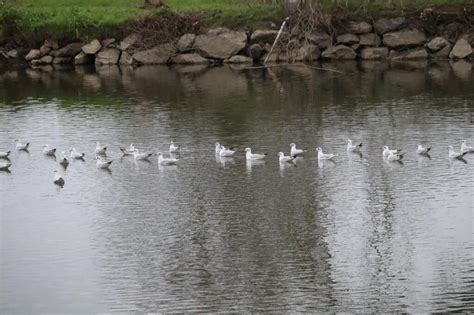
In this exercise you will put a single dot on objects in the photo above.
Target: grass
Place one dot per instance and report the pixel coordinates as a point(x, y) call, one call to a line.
point(64, 18)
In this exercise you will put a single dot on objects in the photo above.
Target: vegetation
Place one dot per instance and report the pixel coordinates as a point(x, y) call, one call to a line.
point(77, 18)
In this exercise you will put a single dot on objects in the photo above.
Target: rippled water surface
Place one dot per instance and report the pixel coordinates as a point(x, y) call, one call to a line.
point(214, 235)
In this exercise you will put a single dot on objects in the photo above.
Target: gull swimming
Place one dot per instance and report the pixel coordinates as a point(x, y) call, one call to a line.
point(49, 151)
point(224, 152)
point(282, 158)
point(294, 152)
point(141, 156)
point(102, 163)
point(456, 155)
point(254, 156)
point(422, 150)
point(353, 148)
point(386, 151)
point(4, 155)
point(76, 155)
point(4, 166)
point(58, 179)
point(324, 156)
point(166, 161)
point(173, 147)
point(64, 161)
point(21, 146)
point(395, 157)
point(100, 149)
point(128, 151)
point(465, 148)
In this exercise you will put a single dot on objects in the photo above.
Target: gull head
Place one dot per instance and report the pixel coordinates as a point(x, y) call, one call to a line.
point(463, 141)
point(45, 146)
point(319, 149)
point(420, 147)
point(159, 154)
point(451, 148)
point(281, 154)
point(292, 145)
point(171, 142)
point(248, 150)
point(218, 145)
point(349, 141)
point(385, 147)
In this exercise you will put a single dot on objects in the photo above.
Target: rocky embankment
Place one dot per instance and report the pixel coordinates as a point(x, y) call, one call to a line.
point(386, 38)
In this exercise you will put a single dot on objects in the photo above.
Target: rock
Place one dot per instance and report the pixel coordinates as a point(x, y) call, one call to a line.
point(70, 50)
point(83, 59)
point(189, 59)
point(263, 36)
point(461, 68)
point(347, 39)
point(469, 37)
point(443, 53)
point(160, 54)
point(372, 53)
point(437, 43)
point(384, 25)
point(13, 53)
point(53, 52)
point(370, 39)
point(44, 50)
point(33, 54)
point(360, 27)
point(417, 53)
point(62, 60)
point(322, 40)
point(220, 45)
point(461, 49)
point(107, 56)
point(355, 46)
point(92, 48)
point(45, 60)
point(129, 41)
point(273, 57)
point(35, 62)
point(51, 43)
point(239, 59)
point(126, 58)
point(255, 51)
point(185, 43)
point(339, 52)
point(308, 53)
point(108, 42)
point(404, 38)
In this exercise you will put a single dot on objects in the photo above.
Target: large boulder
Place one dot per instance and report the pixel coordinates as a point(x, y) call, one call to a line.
point(107, 56)
point(126, 58)
point(347, 39)
point(109, 42)
point(220, 43)
point(129, 41)
point(360, 27)
point(51, 43)
point(70, 50)
point(322, 40)
point(370, 39)
point(339, 52)
point(437, 43)
point(384, 25)
point(417, 53)
point(404, 38)
point(44, 50)
point(83, 59)
point(185, 43)
point(189, 59)
point(46, 60)
point(461, 49)
point(33, 54)
point(92, 48)
point(372, 53)
point(160, 54)
point(308, 52)
point(13, 53)
point(263, 36)
point(443, 53)
point(239, 59)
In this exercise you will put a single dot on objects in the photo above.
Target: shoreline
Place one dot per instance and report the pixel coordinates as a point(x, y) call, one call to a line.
point(430, 34)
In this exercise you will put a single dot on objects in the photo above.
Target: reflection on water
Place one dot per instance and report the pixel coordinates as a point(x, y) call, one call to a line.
point(221, 234)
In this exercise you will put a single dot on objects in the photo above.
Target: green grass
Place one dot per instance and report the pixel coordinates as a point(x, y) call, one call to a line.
point(70, 18)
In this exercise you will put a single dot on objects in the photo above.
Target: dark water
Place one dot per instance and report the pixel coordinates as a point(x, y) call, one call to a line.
point(212, 235)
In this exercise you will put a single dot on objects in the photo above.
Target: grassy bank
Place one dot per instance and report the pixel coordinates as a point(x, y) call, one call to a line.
point(72, 18)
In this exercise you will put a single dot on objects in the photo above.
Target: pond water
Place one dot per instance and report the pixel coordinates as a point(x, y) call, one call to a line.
point(213, 235)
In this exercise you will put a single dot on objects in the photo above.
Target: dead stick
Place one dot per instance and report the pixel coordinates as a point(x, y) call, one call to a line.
point(295, 64)
point(276, 39)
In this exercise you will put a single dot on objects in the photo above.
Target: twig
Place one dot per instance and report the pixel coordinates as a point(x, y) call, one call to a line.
point(276, 39)
point(295, 64)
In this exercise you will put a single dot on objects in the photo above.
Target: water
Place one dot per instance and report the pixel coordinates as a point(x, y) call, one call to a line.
point(211, 235)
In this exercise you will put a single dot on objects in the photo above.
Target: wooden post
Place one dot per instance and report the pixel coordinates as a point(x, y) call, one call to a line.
point(276, 39)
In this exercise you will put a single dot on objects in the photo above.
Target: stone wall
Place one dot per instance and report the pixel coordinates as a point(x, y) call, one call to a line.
point(384, 39)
